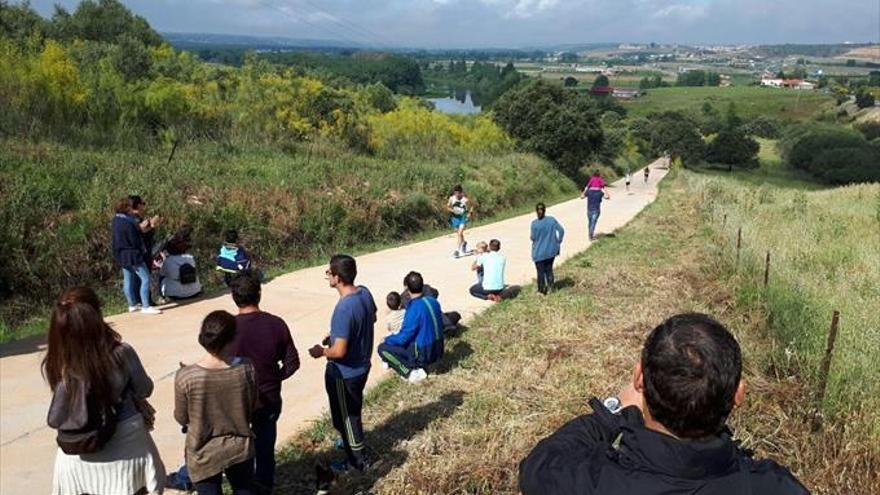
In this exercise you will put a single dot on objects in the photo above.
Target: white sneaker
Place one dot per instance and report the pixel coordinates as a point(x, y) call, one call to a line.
point(151, 311)
point(384, 365)
point(417, 375)
point(132, 309)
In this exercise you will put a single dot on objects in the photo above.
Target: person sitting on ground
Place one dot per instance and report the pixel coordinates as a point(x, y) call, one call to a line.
point(214, 399)
point(492, 264)
point(178, 274)
point(419, 342)
point(265, 340)
point(666, 433)
point(232, 258)
point(94, 375)
point(450, 318)
point(394, 318)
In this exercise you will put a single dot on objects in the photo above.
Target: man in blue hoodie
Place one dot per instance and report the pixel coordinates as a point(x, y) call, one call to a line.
point(420, 340)
point(546, 238)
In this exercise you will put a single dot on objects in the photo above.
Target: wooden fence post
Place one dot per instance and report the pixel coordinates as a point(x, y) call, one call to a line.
point(824, 369)
point(767, 270)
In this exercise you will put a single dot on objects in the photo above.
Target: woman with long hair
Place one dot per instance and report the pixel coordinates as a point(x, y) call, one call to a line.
point(98, 390)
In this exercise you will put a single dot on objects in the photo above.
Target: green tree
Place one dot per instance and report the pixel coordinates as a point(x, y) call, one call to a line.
point(103, 20)
point(601, 81)
point(561, 125)
point(669, 132)
point(733, 147)
point(570, 82)
point(18, 21)
point(568, 57)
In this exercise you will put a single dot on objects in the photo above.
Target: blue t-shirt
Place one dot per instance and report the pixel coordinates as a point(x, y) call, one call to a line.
point(493, 270)
point(353, 320)
point(594, 199)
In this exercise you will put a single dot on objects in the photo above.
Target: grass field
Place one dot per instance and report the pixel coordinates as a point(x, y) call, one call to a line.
point(750, 101)
point(289, 205)
point(528, 365)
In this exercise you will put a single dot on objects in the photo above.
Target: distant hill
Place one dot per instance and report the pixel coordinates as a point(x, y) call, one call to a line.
point(199, 40)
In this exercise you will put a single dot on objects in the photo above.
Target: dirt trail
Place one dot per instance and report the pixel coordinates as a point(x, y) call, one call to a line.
point(302, 298)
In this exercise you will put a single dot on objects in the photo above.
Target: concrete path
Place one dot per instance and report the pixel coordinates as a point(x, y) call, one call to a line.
point(303, 299)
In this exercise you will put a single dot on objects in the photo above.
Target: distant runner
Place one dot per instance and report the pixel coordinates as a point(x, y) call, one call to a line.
point(647, 173)
point(461, 215)
point(628, 180)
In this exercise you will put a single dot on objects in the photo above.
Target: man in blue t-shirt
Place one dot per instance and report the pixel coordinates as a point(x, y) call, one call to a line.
point(348, 349)
point(420, 339)
point(493, 264)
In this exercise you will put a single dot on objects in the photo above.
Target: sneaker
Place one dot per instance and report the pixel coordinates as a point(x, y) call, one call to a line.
point(339, 444)
point(464, 248)
point(456, 254)
point(384, 365)
point(149, 310)
point(133, 309)
point(416, 375)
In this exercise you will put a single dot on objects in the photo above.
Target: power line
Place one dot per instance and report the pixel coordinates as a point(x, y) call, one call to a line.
point(286, 12)
point(341, 21)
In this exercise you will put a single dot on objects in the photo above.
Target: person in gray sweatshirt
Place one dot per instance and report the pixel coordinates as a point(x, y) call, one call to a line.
point(546, 238)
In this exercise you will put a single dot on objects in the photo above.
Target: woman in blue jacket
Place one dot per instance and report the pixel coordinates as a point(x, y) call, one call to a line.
point(130, 252)
point(419, 342)
point(546, 236)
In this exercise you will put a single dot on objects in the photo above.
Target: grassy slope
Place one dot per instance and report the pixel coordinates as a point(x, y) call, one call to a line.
point(750, 101)
point(526, 366)
point(289, 206)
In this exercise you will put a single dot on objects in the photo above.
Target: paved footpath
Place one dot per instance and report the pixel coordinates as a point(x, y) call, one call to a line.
point(303, 299)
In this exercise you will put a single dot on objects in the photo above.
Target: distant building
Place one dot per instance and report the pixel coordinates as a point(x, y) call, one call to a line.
point(602, 91)
point(776, 82)
point(625, 93)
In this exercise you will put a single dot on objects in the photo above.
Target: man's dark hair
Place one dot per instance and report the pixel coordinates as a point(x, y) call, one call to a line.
point(231, 236)
point(218, 330)
point(344, 267)
point(692, 367)
point(494, 245)
point(457, 188)
point(414, 283)
point(136, 201)
point(393, 300)
point(245, 288)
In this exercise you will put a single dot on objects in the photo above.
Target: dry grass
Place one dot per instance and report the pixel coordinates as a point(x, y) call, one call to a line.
point(528, 365)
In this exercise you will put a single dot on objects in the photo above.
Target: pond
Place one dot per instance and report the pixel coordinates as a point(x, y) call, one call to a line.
point(458, 102)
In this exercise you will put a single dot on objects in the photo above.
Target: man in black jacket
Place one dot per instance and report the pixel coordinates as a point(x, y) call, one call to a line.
point(668, 434)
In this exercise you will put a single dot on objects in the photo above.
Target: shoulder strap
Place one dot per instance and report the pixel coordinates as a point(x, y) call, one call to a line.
point(437, 327)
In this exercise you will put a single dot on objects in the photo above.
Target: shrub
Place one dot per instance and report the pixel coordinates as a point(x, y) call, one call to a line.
point(833, 153)
point(763, 126)
point(869, 128)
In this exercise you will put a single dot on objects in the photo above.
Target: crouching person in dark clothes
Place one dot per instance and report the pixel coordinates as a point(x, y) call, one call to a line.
point(420, 339)
point(665, 433)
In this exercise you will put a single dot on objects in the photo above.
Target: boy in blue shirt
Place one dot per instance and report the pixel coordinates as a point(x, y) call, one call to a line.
point(348, 349)
point(419, 342)
point(546, 235)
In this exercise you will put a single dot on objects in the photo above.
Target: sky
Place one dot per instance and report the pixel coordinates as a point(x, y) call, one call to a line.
point(518, 23)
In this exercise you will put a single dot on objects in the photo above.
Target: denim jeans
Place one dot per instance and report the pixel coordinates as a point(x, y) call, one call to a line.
point(265, 426)
point(593, 217)
point(136, 275)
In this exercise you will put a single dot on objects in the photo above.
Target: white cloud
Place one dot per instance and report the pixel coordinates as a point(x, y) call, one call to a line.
point(681, 11)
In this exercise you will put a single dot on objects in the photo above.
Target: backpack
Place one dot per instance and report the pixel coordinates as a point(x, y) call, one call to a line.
point(98, 430)
point(187, 274)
